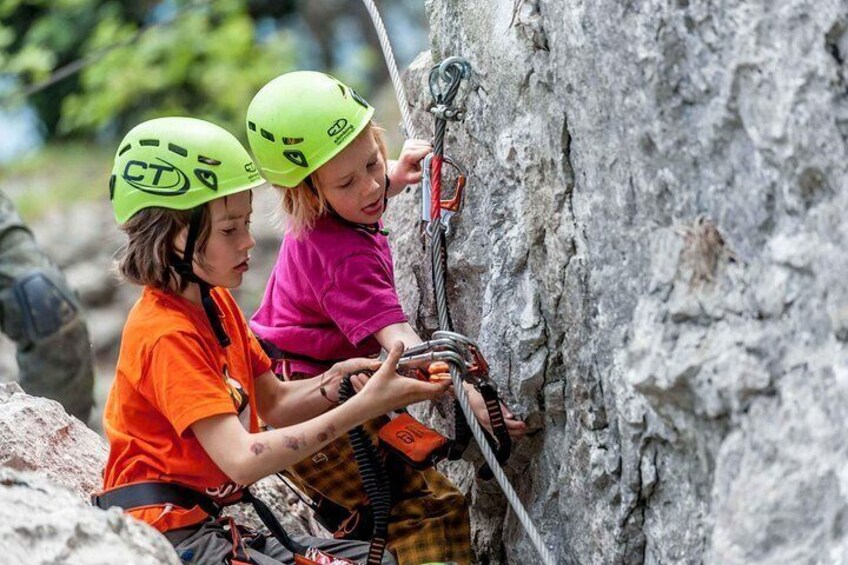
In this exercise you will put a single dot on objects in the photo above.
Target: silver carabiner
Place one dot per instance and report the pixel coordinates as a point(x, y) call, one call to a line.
point(442, 75)
point(408, 365)
point(431, 345)
point(454, 61)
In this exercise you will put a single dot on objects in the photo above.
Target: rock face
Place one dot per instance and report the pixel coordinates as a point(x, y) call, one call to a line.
point(652, 256)
point(49, 465)
point(36, 434)
point(42, 523)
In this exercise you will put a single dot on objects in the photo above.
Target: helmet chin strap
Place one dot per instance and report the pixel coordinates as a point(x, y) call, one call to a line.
point(183, 267)
point(374, 228)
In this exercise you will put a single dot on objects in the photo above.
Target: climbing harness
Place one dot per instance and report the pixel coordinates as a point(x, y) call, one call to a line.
point(154, 493)
point(451, 72)
point(411, 441)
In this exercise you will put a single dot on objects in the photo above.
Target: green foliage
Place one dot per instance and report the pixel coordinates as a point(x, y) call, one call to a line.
point(206, 63)
point(141, 60)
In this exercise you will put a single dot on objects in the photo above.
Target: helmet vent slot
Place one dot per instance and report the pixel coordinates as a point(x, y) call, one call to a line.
point(178, 150)
point(291, 140)
point(267, 134)
point(149, 142)
point(208, 160)
point(251, 126)
point(124, 149)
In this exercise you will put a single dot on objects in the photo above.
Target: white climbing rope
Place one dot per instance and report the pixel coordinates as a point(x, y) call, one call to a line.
point(498, 472)
point(476, 429)
point(389, 57)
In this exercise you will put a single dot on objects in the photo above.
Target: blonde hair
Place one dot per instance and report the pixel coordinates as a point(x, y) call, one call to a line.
point(302, 205)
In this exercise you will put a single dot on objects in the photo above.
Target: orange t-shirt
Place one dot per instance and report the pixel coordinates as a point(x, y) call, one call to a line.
point(172, 373)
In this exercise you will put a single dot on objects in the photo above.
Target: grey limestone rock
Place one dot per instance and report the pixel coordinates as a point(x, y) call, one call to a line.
point(50, 463)
point(36, 434)
point(44, 524)
point(652, 255)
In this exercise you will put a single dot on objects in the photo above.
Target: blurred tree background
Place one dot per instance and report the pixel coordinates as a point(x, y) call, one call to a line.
point(77, 74)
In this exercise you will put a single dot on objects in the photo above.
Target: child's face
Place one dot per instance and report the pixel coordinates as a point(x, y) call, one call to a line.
point(227, 253)
point(354, 181)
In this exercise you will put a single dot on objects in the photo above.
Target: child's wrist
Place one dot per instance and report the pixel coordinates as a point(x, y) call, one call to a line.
point(326, 384)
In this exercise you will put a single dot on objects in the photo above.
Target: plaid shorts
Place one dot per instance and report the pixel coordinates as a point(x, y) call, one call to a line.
point(429, 519)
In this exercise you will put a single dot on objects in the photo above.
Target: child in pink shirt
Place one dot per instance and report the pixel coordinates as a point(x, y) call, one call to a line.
point(332, 293)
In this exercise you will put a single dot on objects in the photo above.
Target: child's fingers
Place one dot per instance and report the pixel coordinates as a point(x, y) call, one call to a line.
point(359, 364)
point(358, 381)
point(516, 428)
point(416, 143)
point(392, 358)
point(415, 150)
point(432, 390)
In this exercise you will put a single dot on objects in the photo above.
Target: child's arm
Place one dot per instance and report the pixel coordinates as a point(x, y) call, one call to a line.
point(245, 458)
point(407, 169)
point(394, 333)
point(283, 403)
point(404, 333)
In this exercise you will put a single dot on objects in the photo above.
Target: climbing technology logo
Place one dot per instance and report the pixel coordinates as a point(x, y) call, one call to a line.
point(163, 179)
point(296, 157)
point(410, 433)
point(407, 437)
point(340, 131)
point(337, 126)
point(250, 169)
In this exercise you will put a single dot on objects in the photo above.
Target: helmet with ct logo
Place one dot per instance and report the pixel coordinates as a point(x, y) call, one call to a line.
point(160, 163)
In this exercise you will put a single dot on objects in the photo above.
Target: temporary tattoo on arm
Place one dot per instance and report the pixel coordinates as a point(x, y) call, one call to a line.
point(329, 433)
point(259, 448)
point(295, 443)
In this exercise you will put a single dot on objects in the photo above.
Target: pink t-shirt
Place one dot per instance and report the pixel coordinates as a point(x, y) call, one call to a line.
point(330, 291)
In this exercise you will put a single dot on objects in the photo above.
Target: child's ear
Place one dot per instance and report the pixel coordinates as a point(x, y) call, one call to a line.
point(180, 241)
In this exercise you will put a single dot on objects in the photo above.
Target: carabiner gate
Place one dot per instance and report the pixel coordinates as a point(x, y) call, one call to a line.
point(447, 208)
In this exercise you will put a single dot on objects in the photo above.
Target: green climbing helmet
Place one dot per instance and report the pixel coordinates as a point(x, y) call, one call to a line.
point(301, 120)
point(178, 163)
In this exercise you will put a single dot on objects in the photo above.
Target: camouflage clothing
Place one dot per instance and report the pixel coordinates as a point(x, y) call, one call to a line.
point(42, 315)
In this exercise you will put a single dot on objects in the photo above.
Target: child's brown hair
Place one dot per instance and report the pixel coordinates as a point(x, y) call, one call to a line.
point(149, 254)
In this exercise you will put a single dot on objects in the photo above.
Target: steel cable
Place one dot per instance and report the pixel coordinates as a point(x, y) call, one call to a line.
point(439, 267)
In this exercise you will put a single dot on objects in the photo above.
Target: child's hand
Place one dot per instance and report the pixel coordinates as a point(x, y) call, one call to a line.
point(407, 169)
point(516, 428)
point(335, 374)
point(387, 390)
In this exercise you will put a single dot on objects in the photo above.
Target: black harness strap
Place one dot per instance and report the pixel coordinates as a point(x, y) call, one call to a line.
point(277, 354)
point(138, 495)
point(152, 493)
point(184, 268)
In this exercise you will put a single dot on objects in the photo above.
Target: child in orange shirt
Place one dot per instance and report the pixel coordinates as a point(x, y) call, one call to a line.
point(191, 383)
